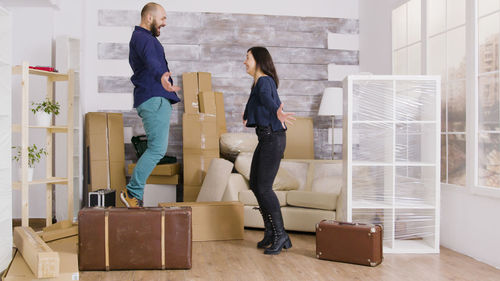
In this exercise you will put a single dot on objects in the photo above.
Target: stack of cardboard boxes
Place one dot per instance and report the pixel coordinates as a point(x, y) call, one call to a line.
point(202, 124)
point(104, 153)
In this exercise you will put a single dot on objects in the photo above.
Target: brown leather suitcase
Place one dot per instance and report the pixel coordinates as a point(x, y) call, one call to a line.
point(349, 242)
point(144, 238)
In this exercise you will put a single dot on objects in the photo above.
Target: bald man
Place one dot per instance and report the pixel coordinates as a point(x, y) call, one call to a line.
point(154, 94)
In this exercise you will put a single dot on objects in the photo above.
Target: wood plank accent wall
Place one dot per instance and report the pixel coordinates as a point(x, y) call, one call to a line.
point(217, 43)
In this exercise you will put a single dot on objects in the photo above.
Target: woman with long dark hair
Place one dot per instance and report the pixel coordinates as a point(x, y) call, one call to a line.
point(264, 111)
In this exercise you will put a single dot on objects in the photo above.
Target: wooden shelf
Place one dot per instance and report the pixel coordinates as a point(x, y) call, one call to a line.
point(54, 180)
point(51, 129)
point(55, 76)
point(49, 180)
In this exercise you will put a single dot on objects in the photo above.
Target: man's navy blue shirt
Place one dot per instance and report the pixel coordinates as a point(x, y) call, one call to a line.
point(147, 59)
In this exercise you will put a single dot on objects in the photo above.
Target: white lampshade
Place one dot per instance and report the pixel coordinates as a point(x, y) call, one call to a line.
point(331, 102)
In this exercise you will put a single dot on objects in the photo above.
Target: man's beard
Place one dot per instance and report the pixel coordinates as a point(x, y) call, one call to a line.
point(154, 29)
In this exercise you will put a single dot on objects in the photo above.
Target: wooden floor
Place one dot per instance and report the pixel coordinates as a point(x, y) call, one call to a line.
point(241, 260)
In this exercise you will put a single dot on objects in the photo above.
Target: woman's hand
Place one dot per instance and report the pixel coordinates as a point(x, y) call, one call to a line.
point(166, 84)
point(285, 117)
point(244, 121)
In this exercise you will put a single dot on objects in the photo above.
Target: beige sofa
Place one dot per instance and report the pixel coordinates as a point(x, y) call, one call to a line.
point(318, 186)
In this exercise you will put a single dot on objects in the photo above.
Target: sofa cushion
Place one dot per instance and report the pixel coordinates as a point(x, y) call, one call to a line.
point(327, 184)
point(303, 219)
point(314, 200)
point(215, 181)
point(231, 144)
point(247, 198)
point(235, 184)
point(284, 180)
point(298, 169)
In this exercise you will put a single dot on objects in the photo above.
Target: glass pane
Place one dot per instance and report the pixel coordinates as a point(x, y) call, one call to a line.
point(444, 124)
point(399, 27)
point(443, 159)
point(400, 63)
point(455, 13)
point(456, 159)
point(437, 56)
point(436, 10)
point(373, 100)
point(456, 53)
point(414, 60)
point(489, 160)
point(456, 106)
point(414, 21)
point(487, 6)
point(488, 98)
point(488, 35)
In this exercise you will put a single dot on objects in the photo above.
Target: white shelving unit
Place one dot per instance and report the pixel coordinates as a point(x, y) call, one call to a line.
point(5, 139)
point(391, 154)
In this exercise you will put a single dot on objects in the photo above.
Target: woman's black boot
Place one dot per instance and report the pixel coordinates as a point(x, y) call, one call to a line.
point(280, 237)
point(268, 231)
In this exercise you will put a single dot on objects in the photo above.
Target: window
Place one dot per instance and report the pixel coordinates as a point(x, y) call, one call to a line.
point(488, 29)
point(445, 57)
point(406, 38)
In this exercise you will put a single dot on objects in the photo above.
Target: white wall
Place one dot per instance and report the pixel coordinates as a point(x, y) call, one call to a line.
point(31, 36)
point(469, 222)
point(375, 37)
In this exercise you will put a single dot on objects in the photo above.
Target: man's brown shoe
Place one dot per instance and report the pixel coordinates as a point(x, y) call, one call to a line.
point(129, 201)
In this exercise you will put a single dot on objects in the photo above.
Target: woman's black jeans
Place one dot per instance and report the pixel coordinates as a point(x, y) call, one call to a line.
point(265, 163)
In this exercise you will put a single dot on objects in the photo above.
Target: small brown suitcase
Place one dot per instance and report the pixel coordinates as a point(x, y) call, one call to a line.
point(144, 238)
point(349, 242)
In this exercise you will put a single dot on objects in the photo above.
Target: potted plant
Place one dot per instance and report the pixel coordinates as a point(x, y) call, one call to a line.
point(43, 111)
point(34, 156)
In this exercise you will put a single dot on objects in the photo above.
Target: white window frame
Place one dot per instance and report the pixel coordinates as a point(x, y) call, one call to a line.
point(471, 95)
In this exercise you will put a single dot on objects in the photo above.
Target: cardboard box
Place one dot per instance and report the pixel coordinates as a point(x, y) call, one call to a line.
point(171, 180)
point(160, 170)
point(300, 139)
point(68, 267)
point(196, 166)
point(214, 220)
point(207, 102)
point(190, 192)
point(220, 114)
point(104, 152)
point(192, 84)
point(199, 132)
